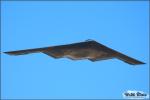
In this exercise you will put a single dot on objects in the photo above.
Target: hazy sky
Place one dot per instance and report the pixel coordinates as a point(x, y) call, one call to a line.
point(122, 26)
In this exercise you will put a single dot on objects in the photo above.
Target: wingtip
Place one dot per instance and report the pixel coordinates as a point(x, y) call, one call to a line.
point(9, 53)
point(136, 63)
point(140, 63)
point(6, 52)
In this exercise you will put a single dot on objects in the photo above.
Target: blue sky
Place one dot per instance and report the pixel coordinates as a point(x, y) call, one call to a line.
point(122, 26)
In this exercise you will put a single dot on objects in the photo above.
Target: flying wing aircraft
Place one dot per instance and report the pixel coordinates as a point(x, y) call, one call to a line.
point(90, 50)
